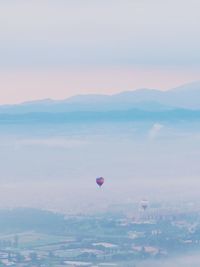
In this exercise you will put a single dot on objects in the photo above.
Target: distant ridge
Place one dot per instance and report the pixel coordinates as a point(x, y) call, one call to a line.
point(183, 97)
point(171, 116)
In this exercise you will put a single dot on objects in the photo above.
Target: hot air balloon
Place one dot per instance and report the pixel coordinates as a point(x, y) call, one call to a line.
point(100, 181)
point(144, 204)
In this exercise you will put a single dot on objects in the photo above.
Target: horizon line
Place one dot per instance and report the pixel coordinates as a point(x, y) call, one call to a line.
point(98, 94)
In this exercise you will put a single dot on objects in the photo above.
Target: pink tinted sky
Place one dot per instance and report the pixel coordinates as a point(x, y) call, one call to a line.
point(55, 49)
point(25, 85)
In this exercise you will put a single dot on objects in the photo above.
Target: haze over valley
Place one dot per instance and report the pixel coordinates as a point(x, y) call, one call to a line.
point(56, 150)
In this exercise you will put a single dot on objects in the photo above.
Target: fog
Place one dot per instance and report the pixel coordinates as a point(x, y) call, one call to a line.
point(54, 166)
point(192, 259)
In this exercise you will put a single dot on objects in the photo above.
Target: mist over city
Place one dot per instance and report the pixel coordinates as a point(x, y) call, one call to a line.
point(99, 133)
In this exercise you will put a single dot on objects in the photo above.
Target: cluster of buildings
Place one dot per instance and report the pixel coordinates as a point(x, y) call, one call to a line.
point(103, 241)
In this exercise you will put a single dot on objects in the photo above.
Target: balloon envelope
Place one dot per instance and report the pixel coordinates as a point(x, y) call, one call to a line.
point(100, 181)
point(144, 204)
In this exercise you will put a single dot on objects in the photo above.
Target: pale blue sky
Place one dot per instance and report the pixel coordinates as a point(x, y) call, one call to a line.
point(58, 48)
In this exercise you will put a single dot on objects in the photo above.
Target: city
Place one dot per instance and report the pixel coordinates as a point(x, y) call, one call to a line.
point(108, 239)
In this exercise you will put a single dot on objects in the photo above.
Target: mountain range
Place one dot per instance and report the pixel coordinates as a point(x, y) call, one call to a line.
point(183, 97)
point(178, 104)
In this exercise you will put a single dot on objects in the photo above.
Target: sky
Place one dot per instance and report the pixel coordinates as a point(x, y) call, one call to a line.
point(59, 48)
